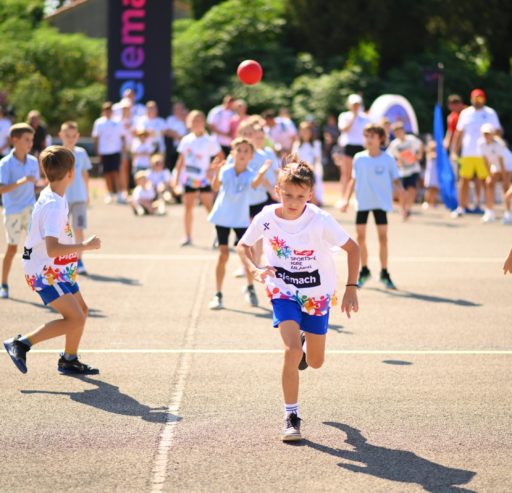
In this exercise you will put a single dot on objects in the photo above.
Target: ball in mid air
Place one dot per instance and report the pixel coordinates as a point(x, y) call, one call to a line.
point(249, 72)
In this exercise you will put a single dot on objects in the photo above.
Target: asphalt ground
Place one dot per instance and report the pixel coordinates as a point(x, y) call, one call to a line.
point(415, 394)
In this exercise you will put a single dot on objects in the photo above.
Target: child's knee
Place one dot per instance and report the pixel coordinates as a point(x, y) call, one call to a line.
point(315, 362)
point(223, 254)
point(292, 355)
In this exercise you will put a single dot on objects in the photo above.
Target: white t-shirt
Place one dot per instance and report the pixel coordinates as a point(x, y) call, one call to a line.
point(128, 125)
point(141, 154)
point(302, 253)
point(157, 177)
point(109, 134)
point(355, 135)
point(405, 152)
point(282, 134)
point(492, 151)
point(143, 193)
point(221, 118)
point(197, 152)
point(5, 126)
point(311, 153)
point(49, 218)
point(176, 125)
point(157, 126)
point(470, 122)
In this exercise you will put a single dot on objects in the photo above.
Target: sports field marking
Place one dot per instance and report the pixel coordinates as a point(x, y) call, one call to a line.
point(410, 352)
point(159, 471)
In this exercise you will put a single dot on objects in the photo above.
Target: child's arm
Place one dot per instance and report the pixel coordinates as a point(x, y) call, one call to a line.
point(259, 273)
point(350, 191)
point(18, 183)
point(85, 176)
point(349, 302)
point(216, 166)
point(507, 266)
point(179, 167)
point(261, 174)
point(56, 249)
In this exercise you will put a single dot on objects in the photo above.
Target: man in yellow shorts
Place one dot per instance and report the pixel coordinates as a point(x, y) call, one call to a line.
point(465, 143)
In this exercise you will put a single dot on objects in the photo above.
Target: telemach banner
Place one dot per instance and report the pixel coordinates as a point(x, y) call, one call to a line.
point(139, 50)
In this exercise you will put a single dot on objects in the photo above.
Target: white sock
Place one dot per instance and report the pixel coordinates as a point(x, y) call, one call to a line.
point(291, 408)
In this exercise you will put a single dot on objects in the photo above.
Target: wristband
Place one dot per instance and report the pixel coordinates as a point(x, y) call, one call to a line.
point(354, 285)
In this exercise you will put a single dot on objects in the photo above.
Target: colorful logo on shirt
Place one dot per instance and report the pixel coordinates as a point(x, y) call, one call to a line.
point(66, 259)
point(68, 230)
point(51, 276)
point(281, 249)
point(299, 279)
point(310, 305)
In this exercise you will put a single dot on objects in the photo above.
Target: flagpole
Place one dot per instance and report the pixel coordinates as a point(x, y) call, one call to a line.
point(440, 84)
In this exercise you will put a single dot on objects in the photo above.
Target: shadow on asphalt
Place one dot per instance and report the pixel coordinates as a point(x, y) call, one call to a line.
point(121, 280)
point(108, 398)
point(93, 313)
point(425, 297)
point(397, 362)
point(394, 465)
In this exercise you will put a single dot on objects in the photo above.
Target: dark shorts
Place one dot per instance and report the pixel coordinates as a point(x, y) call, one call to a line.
point(351, 150)
point(111, 162)
point(257, 208)
point(380, 216)
point(290, 310)
point(410, 181)
point(205, 189)
point(223, 234)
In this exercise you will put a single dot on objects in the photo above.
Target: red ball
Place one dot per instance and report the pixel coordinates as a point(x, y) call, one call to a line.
point(250, 72)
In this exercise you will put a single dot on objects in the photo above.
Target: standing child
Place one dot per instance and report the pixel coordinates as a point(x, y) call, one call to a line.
point(49, 262)
point(431, 180)
point(19, 172)
point(196, 150)
point(300, 277)
point(77, 194)
point(231, 210)
point(373, 176)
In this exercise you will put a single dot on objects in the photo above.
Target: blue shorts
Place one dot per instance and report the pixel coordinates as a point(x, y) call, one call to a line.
point(51, 293)
point(290, 310)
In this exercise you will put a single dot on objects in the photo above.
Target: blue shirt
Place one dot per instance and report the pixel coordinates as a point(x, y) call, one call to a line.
point(11, 170)
point(77, 191)
point(231, 208)
point(374, 181)
point(257, 195)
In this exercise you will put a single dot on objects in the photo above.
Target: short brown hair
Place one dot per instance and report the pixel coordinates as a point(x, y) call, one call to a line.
point(399, 125)
point(107, 105)
point(240, 141)
point(295, 171)
point(373, 128)
point(56, 162)
point(18, 129)
point(69, 125)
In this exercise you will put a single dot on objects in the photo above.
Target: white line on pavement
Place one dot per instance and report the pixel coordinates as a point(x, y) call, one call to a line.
point(410, 352)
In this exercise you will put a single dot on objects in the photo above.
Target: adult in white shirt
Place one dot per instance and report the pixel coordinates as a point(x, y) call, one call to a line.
point(129, 96)
point(155, 125)
point(176, 130)
point(5, 125)
point(219, 119)
point(465, 144)
point(351, 125)
point(127, 122)
point(108, 139)
point(281, 131)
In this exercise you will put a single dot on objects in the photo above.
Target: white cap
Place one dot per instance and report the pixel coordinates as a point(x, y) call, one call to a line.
point(354, 99)
point(487, 128)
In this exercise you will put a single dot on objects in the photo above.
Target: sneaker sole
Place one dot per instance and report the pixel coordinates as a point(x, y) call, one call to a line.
point(95, 371)
point(21, 367)
point(291, 438)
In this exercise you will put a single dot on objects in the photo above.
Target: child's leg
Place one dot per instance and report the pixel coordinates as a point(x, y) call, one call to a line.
point(74, 313)
point(220, 270)
point(361, 240)
point(382, 231)
point(315, 353)
point(206, 199)
point(489, 185)
point(109, 181)
point(189, 200)
point(10, 253)
point(290, 333)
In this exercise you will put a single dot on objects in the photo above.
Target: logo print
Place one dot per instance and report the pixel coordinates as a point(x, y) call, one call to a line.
point(266, 226)
point(280, 247)
point(303, 253)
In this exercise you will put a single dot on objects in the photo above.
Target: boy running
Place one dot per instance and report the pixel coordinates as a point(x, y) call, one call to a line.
point(300, 277)
point(50, 265)
point(373, 176)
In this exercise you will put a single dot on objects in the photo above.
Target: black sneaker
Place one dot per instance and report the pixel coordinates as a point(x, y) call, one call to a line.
point(303, 363)
point(75, 367)
point(364, 276)
point(17, 351)
point(291, 432)
point(386, 280)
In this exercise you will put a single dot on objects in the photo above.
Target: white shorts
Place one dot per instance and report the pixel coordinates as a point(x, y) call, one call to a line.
point(78, 213)
point(15, 224)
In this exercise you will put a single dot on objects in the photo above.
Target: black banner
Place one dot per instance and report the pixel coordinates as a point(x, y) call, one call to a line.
point(139, 50)
point(299, 279)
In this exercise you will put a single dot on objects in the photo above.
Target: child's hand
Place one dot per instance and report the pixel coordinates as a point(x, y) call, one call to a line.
point(27, 179)
point(261, 273)
point(217, 163)
point(92, 243)
point(349, 302)
point(265, 166)
point(344, 206)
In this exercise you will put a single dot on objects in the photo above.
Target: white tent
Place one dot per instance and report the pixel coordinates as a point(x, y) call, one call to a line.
point(394, 108)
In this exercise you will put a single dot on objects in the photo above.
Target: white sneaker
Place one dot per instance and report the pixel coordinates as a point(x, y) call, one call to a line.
point(489, 216)
point(507, 218)
point(109, 198)
point(216, 303)
point(239, 273)
point(459, 212)
point(425, 206)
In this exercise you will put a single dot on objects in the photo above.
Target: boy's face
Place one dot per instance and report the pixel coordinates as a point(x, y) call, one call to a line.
point(158, 164)
point(259, 138)
point(197, 124)
point(24, 143)
point(293, 198)
point(69, 137)
point(399, 132)
point(242, 154)
point(488, 137)
point(371, 141)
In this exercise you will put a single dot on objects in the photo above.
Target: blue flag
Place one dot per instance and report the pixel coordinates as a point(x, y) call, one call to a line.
point(445, 174)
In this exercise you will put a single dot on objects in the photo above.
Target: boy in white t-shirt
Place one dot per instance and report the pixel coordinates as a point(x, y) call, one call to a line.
point(160, 178)
point(196, 151)
point(77, 194)
point(373, 175)
point(49, 262)
point(143, 196)
point(142, 148)
point(300, 276)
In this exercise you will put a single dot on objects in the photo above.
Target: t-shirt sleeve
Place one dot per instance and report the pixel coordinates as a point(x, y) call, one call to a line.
point(51, 219)
point(181, 145)
point(37, 171)
point(87, 162)
point(343, 119)
point(254, 231)
point(354, 168)
point(94, 132)
point(4, 174)
point(461, 122)
point(333, 233)
point(214, 147)
point(393, 169)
